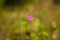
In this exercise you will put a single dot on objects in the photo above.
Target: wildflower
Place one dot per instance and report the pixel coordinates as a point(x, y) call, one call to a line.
point(30, 17)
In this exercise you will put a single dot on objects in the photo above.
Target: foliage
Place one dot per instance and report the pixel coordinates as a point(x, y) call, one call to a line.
point(41, 30)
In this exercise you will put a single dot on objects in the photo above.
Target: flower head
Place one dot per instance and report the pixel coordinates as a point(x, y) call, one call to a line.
point(30, 17)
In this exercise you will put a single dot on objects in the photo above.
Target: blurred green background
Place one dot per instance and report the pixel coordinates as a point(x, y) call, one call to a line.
point(15, 25)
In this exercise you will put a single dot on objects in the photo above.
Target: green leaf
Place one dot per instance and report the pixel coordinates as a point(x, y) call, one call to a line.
point(40, 28)
point(36, 22)
point(45, 33)
point(23, 24)
point(34, 37)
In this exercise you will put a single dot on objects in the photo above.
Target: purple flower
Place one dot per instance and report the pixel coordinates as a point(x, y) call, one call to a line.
point(30, 17)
